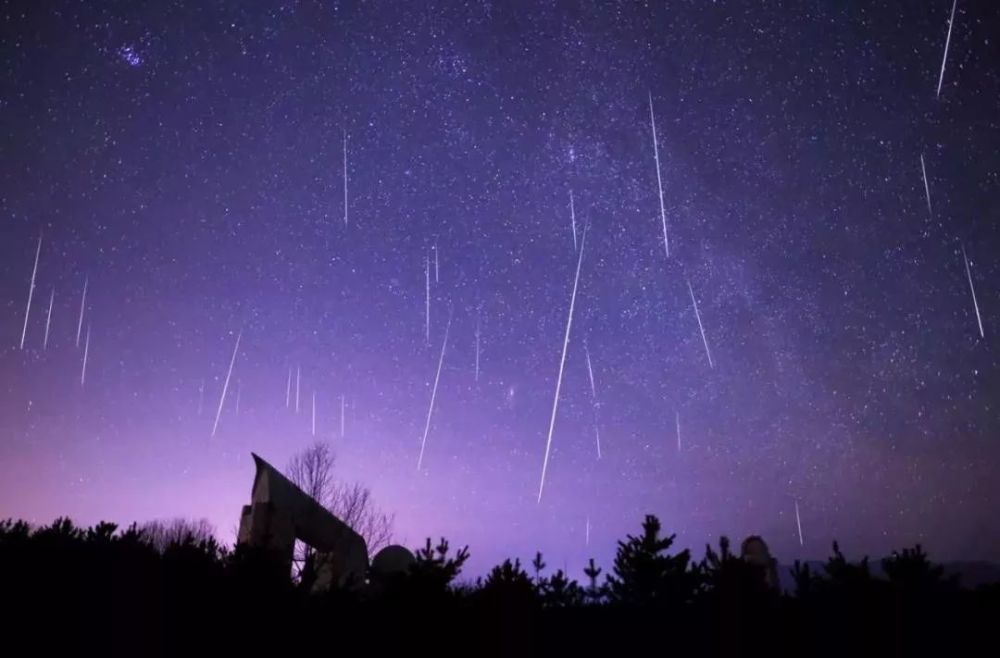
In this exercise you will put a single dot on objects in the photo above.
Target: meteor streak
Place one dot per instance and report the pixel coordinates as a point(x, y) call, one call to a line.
point(947, 42)
point(700, 326)
point(345, 178)
point(572, 217)
point(798, 521)
point(593, 393)
point(590, 372)
point(225, 385)
point(430, 409)
point(972, 289)
point(562, 364)
point(86, 353)
point(927, 189)
point(48, 320)
point(677, 420)
point(427, 299)
point(477, 347)
point(31, 290)
point(659, 181)
point(83, 305)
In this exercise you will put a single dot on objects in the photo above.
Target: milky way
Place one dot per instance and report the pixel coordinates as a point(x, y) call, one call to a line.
point(288, 168)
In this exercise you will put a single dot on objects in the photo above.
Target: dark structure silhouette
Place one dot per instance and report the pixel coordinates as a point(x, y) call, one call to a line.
point(280, 513)
point(107, 591)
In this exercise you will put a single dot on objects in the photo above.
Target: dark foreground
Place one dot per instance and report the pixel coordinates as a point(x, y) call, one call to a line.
point(99, 591)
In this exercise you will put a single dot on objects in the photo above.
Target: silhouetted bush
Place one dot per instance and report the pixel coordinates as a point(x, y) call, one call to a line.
point(137, 592)
point(509, 581)
point(558, 591)
point(646, 575)
point(434, 569)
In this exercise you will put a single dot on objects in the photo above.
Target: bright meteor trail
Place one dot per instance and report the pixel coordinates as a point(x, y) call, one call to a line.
point(659, 181)
point(430, 409)
point(562, 364)
point(700, 326)
point(31, 291)
point(225, 386)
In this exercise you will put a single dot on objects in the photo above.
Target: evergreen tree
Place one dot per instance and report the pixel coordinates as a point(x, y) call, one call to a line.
point(433, 567)
point(594, 593)
point(558, 591)
point(805, 580)
point(710, 569)
point(509, 582)
point(645, 574)
point(508, 573)
point(538, 565)
point(844, 576)
point(912, 571)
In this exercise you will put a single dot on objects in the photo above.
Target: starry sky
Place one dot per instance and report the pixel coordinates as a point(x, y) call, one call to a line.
point(186, 161)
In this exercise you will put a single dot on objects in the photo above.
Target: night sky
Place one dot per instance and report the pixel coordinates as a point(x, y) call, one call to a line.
point(186, 161)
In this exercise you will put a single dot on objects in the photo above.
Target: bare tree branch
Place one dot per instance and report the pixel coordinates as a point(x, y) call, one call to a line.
point(312, 471)
point(161, 534)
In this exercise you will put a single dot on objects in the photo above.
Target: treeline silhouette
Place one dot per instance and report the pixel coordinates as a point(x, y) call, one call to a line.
point(163, 592)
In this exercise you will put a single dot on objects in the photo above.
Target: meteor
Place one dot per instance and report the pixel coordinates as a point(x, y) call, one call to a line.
point(798, 522)
point(700, 326)
point(562, 364)
point(430, 409)
point(659, 181)
point(31, 290)
point(86, 353)
point(225, 386)
point(48, 320)
point(477, 347)
point(677, 420)
point(947, 42)
point(427, 299)
point(345, 178)
point(83, 305)
point(572, 218)
point(972, 289)
point(927, 189)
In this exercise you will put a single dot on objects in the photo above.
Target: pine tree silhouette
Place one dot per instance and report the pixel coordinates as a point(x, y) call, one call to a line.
point(508, 583)
point(844, 576)
point(507, 573)
point(538, 565)
point(645, 574)
point(711, 567)
point(804, 578)
point(434, 568)
point(116, 589)
point(912, 571)
point(558, 591)
point(594, 593)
